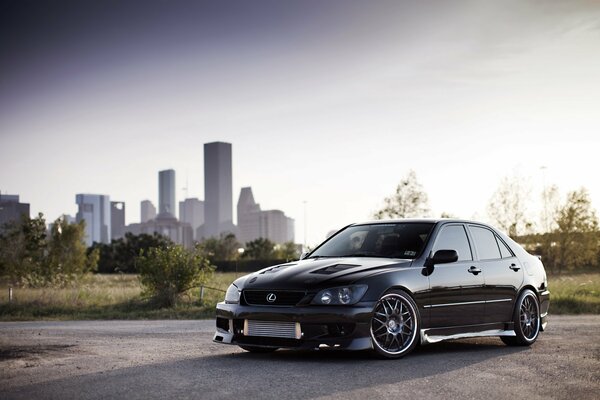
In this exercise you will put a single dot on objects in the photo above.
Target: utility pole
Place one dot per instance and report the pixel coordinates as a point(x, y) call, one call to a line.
point(305, 224)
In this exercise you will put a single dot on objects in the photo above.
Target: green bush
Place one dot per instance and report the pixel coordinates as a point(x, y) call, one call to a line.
point(167, 273)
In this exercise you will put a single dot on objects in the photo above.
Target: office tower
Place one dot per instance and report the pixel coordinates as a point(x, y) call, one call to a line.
point(191, 211)
point(166, 193)
point(218, 204)
point(11, 210)
point(147, 211)
point(254, 223)
point(94, 209)
point(117, 219)
point(247, 217)
point(275, 226)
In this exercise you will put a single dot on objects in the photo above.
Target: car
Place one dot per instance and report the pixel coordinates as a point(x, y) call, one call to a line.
point(390, 286)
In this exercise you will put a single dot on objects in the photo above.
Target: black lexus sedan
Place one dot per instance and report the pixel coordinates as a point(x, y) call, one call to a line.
point(388, 286)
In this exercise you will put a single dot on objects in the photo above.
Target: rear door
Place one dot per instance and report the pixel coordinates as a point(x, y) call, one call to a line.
point(456, 289)
point(502, 272)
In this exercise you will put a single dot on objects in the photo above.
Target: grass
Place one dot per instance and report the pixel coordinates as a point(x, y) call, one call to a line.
point(574, 294)
point(104, 296)
point(119, 297)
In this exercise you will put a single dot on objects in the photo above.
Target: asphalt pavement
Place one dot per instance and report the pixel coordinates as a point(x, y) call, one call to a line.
point(177, 359)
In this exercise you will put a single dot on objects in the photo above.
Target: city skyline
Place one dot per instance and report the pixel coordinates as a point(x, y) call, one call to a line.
point(329, 103)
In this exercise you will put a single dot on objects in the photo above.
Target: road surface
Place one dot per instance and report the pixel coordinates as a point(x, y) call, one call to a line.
point(177, 359)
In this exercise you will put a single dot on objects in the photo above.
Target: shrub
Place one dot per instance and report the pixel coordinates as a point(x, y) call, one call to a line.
point(167, 273)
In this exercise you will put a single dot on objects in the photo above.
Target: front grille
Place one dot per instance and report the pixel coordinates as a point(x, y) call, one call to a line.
point(286, 330)
point(282, 298)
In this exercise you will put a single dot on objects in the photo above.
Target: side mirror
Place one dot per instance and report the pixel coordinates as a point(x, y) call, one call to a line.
point(442, 257)
point(304, 255)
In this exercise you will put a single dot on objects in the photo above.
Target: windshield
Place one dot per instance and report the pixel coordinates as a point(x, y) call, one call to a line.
point(393, 240)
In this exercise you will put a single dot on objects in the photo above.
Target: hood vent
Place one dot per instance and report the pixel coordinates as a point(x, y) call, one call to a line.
point(332, 269)
point(276, 268)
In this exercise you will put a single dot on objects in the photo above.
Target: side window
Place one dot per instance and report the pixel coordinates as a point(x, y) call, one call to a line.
point(485, 241)
point(454, 237)
point(504, 251)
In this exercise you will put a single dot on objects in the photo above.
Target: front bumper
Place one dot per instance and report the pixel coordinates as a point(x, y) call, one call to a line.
point(544, 306)
point(344, 327)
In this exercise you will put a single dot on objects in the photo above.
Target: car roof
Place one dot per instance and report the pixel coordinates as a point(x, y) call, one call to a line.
point(418, 220)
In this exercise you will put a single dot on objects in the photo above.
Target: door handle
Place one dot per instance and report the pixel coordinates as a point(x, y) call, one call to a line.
point(474, 270)
point(514, 267)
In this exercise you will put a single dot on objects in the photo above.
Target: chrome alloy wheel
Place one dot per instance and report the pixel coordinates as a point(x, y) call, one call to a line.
point(394, 324)
point(529, 316)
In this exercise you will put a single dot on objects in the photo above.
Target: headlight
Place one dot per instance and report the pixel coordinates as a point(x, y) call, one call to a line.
point(343, 295)
point(232, 296)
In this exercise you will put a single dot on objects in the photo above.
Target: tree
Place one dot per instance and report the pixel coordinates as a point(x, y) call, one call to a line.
point(224, 248)
point(121, 254)
point(167, 273)
point(508, 206)
point(410, 200)
point(31, 257)
point(550, 208)
point(260, 249)
point(576, 233)
point(286, 251)
point(66, 260)
point(23, 248)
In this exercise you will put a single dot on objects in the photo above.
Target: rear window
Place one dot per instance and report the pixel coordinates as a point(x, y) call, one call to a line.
point(485, 242)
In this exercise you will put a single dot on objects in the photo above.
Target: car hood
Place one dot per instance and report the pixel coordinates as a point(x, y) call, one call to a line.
point(316, 274)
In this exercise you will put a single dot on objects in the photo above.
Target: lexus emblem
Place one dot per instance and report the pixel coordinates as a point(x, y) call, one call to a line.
point(271, 297)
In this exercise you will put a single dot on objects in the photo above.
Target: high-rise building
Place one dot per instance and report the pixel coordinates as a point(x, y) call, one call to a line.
point(94, 209)
point(11, 210)
point(218, 203)
point(165, 223)
point(247, 217)
point(254, 223)
point(147, 211)
point(166, 192)
point(117, 219)
point(191, 211)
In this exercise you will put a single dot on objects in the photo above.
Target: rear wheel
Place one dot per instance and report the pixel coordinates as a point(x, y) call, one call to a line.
point(256, 349)
point(526, 318)
point(395, 325)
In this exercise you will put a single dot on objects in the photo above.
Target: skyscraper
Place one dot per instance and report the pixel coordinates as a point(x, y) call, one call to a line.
point(191, 211)
point(166, 193)
point(247, 216)
point(218, 206)
point(11, 209)
point(94, 209)
point(254, 223)
point(147, 211)
point(117, 219)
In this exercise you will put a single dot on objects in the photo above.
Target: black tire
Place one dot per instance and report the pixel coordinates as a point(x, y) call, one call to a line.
point(256, 349)
point(526, 318)
point(395, 325)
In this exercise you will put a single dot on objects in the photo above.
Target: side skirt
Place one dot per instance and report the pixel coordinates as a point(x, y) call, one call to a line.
point(427, 337)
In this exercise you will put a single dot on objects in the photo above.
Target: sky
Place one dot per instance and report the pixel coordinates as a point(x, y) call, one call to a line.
point(328, 105)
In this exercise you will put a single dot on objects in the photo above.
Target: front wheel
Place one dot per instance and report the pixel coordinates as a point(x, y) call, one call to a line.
point(526, 319)
point(395, 325)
